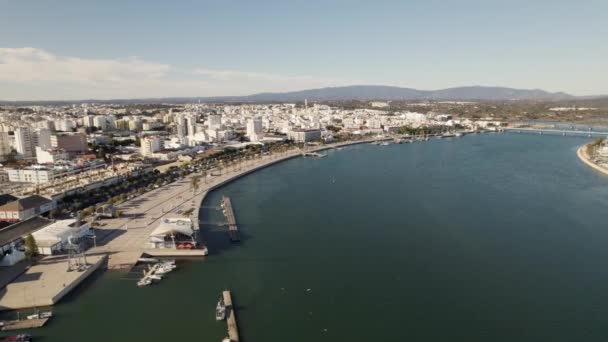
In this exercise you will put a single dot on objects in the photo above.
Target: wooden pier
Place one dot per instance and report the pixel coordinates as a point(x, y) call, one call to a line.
point(233, 229)
point(24, 324)
point(233, 330)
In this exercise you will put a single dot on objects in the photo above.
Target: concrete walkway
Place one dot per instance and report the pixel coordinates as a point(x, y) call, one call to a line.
point(45, 283)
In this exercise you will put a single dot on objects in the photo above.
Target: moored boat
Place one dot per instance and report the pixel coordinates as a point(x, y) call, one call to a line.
point(220, 310)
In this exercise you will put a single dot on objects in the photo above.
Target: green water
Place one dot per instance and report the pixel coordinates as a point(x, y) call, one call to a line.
point(480, 238)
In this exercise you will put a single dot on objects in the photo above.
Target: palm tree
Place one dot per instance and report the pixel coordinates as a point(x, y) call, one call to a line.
point(194, 183)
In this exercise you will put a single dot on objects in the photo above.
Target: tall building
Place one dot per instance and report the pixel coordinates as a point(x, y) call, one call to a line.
point(88, 121)
point(215, 121)
point(42, 138)
point(149, 145)
point(24, 142)
point(100, 122)
point(182, 127)
point(255, 129)
point(191, 124)
point(5, 146)
point(64, 125)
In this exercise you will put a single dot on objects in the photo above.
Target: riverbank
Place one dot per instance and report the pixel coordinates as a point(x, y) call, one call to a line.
point(585, 158)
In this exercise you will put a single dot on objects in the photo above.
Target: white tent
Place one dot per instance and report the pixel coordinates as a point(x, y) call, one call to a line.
point(171, 227)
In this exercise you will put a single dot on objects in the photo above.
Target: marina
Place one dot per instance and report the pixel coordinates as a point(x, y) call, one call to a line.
point(154, 274)
point(273, 275)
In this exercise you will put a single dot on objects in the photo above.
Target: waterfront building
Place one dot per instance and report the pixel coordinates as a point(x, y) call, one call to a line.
point(56, 237)
point(304, 135)
point(173, 233)
point(12, 239)
point(255, 129)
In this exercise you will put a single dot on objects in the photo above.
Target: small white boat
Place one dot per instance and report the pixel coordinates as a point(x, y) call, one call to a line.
point(156, 277)
point(144, 282)
point(220, 310)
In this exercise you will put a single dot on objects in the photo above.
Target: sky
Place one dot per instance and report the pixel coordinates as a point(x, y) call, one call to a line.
point(105, 49)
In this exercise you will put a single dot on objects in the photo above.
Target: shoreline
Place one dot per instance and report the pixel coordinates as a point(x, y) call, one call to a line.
point(584, 157)
point(277, 161)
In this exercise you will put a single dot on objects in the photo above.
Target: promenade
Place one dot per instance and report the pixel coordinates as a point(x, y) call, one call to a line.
point(124, 239)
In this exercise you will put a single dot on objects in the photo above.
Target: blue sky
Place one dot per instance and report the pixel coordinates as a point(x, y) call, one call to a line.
point(74, 49)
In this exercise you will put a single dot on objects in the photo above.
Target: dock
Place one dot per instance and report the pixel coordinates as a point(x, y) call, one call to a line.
point(233, 229)
point(233, 330)
point(24, 324)
point(46, 282)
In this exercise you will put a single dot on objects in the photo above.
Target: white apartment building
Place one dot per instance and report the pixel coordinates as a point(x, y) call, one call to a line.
point(50, 156)
point(5, 146)
point(65, 125)
point(42, 138)
point(24, 142)
point(215, 121)
point(31, 175)
point(255, 131)
point(150, 145)
point(304, 135)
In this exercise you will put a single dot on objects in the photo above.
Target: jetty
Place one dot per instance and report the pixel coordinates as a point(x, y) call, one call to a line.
point(24, 324)
point(233, 330)
point(233, 229)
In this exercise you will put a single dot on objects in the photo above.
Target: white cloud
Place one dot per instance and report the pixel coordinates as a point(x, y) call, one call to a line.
point(35, 74)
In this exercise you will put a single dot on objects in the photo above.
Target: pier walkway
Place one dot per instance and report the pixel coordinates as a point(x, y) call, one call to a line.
point(233, 229)
point(233, 330)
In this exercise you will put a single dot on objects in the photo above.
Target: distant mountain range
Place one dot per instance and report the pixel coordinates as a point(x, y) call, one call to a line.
point(361, 92)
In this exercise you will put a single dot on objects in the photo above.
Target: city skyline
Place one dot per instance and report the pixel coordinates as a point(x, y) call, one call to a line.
point(68, 50)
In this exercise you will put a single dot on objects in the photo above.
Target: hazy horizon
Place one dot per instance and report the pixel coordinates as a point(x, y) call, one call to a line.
point(74, 50)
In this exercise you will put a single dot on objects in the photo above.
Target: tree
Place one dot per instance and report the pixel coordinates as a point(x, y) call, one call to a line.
point(194, 183)
point(31, 248)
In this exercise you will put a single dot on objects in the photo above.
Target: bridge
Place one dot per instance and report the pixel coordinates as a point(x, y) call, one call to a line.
point(588, 133)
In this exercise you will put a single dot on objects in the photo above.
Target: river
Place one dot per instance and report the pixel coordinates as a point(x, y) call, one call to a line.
point(496, 237)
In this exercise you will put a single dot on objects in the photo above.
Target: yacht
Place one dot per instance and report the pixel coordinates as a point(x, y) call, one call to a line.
point(220, 310)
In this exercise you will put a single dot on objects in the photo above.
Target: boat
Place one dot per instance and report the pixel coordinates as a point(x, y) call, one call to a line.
point(40, 315)
point(220, 310)
point(144, 282)
point(156, 277)
point(16, 338)
point(386, 143)
point(148, 260)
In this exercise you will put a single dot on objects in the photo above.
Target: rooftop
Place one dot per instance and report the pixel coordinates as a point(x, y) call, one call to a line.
point(25, 203)
point(22, 228)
